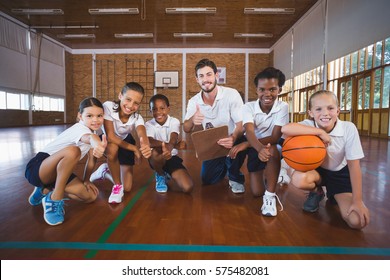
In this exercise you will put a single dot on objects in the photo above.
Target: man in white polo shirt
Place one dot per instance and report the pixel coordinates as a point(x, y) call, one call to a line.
point(215, 106)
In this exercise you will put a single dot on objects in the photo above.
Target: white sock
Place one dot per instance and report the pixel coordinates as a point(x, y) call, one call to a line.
point(269, 193)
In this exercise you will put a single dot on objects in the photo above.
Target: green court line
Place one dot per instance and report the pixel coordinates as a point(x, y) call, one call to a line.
point(198, 248)
point(119, 219)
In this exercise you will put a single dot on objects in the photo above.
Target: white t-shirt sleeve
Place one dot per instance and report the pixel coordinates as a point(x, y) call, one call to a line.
point(247, 113)
point(139, 120)
point(282, 116)
point(150, 131)
point(175, 125)
point(353, 147)
point(191, 109)
point(236, 105)
point(108, 109)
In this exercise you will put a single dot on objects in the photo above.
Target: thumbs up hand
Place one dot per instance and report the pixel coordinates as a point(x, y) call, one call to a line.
point(165, 151)
point(265, 153)
point(198, 117)
point(98, 146)
point(145, 147)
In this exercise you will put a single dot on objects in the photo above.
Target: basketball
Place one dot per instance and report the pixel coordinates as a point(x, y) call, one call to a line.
point(304, 152)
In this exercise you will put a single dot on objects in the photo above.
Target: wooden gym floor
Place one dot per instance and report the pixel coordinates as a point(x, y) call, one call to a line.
point(210, 223)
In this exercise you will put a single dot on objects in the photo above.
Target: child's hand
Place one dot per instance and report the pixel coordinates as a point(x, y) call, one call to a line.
point(165, 151)
point(198, 117)
point(236, 149)
point(265, 154)
point(181, 145)
point(362, 211)
point(91, 187)
point(145, 148)
point(100, 147)
point(226, 142)
point(325, 137)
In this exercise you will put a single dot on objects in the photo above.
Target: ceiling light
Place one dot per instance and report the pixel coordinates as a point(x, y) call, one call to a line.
point(269, 10)
point(192, 35)
point(76, 36)
point(38, 11)
point(253, 35)
point(64, 26)
point(134, 35)
point(207, 10)
point(114, 11)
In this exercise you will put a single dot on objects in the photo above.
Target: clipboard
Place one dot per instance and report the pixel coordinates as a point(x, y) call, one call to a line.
point(205, 143)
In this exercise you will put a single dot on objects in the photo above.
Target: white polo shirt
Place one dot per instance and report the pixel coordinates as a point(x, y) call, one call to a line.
point(70, 137)
point(163, 132)
point(264, 123)
point(345, 145)
point(121, 129)
point(226, 109)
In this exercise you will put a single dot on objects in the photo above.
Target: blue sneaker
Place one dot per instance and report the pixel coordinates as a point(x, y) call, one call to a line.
point(161, 185)
point(53, 210)
point(36, 196)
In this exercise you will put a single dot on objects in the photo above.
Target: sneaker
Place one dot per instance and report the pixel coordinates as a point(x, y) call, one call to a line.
point(283, 177)
point(312, 202)
point(269, 205)
point(161, 185)
point(99, 173)
point(116, 194)
point(53, 210)
point(36, 196)
point(236, 187)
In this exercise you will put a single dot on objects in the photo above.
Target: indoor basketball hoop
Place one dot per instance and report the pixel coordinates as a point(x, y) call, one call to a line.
point(166, 82)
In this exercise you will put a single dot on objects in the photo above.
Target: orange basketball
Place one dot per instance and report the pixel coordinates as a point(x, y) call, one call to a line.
point(304, 152)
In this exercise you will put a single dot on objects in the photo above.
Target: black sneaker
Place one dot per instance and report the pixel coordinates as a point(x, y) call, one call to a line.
point(312, 202)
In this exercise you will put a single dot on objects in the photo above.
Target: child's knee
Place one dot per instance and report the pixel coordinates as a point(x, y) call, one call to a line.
point(187, 187)
point(73, 152)
point(184, 182)
point(302, 180)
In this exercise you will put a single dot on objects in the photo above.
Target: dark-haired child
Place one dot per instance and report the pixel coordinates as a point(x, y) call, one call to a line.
point(163, 132)
point(51, 170)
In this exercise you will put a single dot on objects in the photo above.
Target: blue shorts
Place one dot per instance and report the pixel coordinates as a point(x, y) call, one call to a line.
point(335, 181)
point(32, 172)
point(126, 157)
point(173, 164)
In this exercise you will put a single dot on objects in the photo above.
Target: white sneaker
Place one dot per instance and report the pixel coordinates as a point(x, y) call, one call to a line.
point(283, 177)
point(236, 187)
point(99, 173)
point(116, 194)
point(269, 205)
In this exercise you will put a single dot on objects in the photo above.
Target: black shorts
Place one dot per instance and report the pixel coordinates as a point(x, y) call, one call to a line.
point(32, 172)
point(126, 157)
point(173, 164)
point(254, 163)
point(335, 181)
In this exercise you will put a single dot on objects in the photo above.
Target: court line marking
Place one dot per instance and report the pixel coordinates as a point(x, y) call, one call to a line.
point(198, 248)
point(104, 237)
point(101, 245)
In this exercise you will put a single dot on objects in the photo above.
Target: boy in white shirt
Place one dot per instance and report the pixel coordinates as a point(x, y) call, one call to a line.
point(163, 133)
point(263, 120)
